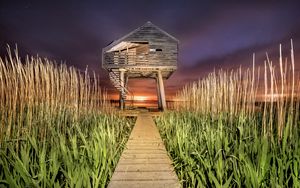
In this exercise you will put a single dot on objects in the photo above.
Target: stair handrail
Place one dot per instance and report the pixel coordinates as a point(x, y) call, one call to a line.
point(128, 91)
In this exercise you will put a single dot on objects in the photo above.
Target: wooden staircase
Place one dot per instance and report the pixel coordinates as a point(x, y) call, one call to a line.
point(114, 76)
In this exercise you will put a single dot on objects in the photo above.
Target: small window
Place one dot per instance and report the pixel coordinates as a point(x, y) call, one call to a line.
point(155, 50)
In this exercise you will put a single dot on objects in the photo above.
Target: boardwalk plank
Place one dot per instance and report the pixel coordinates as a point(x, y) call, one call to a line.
point(143, 168)
point(143, 176)
point(145, 184)
point(145, 161)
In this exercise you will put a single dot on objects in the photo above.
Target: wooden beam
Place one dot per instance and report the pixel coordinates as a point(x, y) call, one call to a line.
point(141, 67)
point(162, 90)
point(158, 94)
point(122, 82)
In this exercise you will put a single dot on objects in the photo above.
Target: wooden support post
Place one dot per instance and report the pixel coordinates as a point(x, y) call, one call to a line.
point(158, 94)
point(126, 81)
point(162, 91)
point(122, 91)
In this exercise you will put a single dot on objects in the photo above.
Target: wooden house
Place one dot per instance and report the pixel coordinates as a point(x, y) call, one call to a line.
point(147, 52)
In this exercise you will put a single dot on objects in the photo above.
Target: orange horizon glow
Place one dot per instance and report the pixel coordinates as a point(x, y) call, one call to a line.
point(138, 97)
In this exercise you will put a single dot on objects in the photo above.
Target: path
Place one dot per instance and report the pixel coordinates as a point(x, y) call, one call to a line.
point(144, 162)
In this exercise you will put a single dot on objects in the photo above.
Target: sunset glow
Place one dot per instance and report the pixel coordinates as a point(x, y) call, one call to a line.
point(140, 98)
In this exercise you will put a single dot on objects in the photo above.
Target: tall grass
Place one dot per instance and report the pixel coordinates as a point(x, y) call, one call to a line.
point(56, 126)
point(237, 128)
point(39, 88)
point(241, 93)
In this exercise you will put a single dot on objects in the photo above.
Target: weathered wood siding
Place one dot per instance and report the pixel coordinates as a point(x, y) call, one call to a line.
point(163, 48)
point(157, 40)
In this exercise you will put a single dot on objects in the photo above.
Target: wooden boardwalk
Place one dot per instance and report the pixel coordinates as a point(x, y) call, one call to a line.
point(144, 162)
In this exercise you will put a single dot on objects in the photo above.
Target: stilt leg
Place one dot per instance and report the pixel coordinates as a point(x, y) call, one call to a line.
point(158, 94)
point(162, 91)
point(122, 92)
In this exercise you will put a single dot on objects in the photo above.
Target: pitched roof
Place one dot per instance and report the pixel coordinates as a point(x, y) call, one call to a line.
point(147, 24)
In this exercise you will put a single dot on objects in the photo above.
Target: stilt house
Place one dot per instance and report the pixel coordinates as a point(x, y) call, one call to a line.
point(147, 52)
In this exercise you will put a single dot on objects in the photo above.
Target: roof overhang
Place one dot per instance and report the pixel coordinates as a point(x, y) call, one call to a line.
point(122, 46)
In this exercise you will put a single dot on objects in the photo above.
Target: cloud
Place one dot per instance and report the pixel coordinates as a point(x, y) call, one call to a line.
point(212, 35)
point(237, 28)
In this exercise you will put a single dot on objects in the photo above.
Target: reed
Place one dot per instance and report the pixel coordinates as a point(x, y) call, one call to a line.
point(57, 127)
point(240, 92)
point(39, 88)
point(237, 128)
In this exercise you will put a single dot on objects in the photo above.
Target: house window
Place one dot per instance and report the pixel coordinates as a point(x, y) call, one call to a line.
point(155, 50)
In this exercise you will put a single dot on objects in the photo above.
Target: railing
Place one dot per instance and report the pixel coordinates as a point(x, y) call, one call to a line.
point(125, 58)
point(115, 79)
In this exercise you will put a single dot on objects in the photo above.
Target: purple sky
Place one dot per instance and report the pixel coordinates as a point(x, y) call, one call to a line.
point(211, 34)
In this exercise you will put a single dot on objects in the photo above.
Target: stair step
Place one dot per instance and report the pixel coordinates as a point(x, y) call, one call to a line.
point(115, 80)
